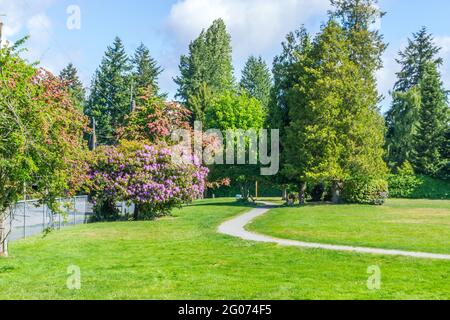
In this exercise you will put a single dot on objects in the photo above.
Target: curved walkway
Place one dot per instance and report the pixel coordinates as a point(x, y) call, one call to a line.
point(236, 228)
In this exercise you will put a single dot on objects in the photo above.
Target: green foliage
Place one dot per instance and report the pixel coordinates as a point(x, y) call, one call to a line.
point(433, 122)
point(145, 70)
point(70, 76)
point(109, 101)
point(256, 79)
point(402, 119)
point(154, 119)
point(208, 63)
point(401, 122)
point(420, 51)
point(236, 111)
point(41, 133)
point(200, 101)
point(365, 191)
point(406, 184)
point(287, 71)
point(335, 129)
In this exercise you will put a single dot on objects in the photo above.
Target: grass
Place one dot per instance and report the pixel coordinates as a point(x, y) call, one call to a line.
point(183, 257)
point(414, 225)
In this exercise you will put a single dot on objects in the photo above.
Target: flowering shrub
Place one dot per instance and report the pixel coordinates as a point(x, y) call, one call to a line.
point(146, 176)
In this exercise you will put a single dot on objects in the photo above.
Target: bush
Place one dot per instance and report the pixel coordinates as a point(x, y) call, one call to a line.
point(418, 187)
point(145, 176)
point(365, 191)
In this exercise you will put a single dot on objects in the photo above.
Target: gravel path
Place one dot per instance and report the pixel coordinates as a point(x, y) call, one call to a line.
point(236, 228)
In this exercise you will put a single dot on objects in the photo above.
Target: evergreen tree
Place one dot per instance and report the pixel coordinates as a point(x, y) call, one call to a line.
point(402, 119)
point(428, 157)
point(200, 101)
point(402, 126)
point(145, 70)
point(70, 76)
point(336, 131)
point(286, 72)
point(209, 63)
point(109, 101)
point(256, 79)
point(420, 51)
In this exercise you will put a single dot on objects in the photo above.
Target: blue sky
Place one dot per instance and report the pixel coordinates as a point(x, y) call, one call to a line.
point(166, 27)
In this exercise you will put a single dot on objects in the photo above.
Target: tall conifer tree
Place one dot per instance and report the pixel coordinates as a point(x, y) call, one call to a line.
point(428, 157)
point(109, 101)
point(145, 70)
point(209, 63)
point(256, 79)
point(70, 75)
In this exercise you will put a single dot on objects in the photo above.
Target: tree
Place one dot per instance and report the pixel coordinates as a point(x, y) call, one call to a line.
point(256, 79)
point(286, 67)
point(235, 111)
point(209, 63)
point(109, 101)
point(403, 116)
point(41, 134)
point(433, 123)
point(145, 176)
point(154, 120)
point(145, 70)
point(420, 51)
point(200, 101)
point(402, 126)
point(287, 72)
point(336, 131)
point(69, 75)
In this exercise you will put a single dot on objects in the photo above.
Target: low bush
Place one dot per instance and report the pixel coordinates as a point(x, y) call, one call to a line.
point(365, 191)
point(418, 187)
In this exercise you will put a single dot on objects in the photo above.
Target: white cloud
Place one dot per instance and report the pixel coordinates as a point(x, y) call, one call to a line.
point(256, 26)
point(26, 17)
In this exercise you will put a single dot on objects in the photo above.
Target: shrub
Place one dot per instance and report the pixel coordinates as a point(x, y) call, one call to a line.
point(365, 191)
point(406, 184)
point(418, 187)
point(145, 176)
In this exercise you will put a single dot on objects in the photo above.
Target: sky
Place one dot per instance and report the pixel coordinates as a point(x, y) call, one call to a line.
point(166, 27)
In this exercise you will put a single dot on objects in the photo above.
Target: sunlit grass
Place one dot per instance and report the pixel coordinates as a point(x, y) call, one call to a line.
point(418, 225)
point(183, 257)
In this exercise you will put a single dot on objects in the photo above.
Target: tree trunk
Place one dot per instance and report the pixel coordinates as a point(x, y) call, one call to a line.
point(137, 211)
point(285, 195)
point(301, 193)
point(3, 234)
point(336, 192)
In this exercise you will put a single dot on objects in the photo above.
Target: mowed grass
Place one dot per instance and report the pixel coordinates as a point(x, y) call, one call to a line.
point(183, 257)
point(414, 225)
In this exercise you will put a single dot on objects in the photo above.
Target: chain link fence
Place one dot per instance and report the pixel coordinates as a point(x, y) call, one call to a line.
point(29, 218)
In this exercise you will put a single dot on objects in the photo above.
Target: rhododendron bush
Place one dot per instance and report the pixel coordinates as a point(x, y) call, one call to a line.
point(145, 176)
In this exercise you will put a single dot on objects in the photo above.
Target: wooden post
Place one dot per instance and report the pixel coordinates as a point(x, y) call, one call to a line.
point(1, 33)
point(256, 190)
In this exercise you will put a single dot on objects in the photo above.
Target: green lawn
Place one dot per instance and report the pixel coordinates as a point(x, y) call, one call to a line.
point(183, 257)
point(415, 225)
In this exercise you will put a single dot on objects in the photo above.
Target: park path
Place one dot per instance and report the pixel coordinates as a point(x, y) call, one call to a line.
point(236, 228)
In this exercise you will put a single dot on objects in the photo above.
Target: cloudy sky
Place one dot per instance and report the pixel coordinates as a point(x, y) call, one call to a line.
point(166, 27)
